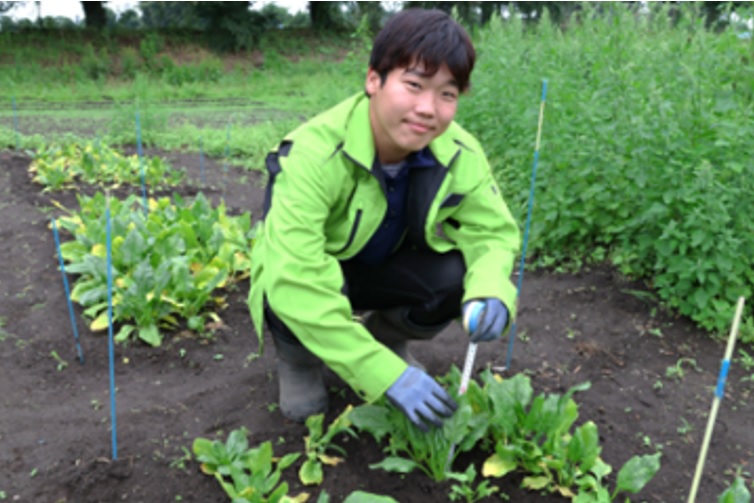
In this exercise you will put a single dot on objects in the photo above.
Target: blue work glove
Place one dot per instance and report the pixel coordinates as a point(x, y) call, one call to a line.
point(484, 319)
point(420, 398)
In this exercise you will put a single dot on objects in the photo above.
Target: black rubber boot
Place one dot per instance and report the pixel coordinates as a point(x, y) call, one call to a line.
point(301, 383)
point(393, 328)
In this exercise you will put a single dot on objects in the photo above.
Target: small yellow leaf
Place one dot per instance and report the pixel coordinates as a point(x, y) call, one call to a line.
point(330, 460)
point(58, 205)
point(535, 483)
point(99, 250)
point(495, 466)
point(299, 498)
point(100, 323)
point(565, 492)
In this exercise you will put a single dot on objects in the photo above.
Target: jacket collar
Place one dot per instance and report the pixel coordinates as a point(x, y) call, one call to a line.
point(359, 142)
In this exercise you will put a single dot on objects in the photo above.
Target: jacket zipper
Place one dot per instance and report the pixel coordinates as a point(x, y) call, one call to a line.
point(352, 235)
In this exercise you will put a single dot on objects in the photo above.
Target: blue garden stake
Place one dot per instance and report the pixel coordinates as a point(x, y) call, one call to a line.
point(111, 349)
point(227, 148)
point(67, 292)
point(140, 152)
point(201, 160)
point(15, 123)
point(512, 336)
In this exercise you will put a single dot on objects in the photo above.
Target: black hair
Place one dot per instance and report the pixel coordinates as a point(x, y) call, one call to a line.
point(424, 37)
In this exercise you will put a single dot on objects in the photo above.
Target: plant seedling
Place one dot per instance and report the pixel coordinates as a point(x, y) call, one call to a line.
point(318, 442)
point(676, 371)
point(246, 475)
point(466, 491)
point(62, 364)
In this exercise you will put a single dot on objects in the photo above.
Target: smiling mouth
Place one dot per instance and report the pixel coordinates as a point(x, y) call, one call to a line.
point(418, 127)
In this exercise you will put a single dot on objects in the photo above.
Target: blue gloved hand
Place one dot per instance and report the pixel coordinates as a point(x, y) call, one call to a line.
point(484, 319)
point(420, 398)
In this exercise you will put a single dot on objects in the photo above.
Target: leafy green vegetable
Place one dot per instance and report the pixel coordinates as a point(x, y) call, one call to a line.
point(736, 493)
point(410, 448)
point(246, 475)
point(319, 442)
point(530, 434)
point(167, 264)
point(57, 167)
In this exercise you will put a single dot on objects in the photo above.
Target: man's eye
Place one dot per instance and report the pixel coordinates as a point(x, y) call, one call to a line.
point(413, 85)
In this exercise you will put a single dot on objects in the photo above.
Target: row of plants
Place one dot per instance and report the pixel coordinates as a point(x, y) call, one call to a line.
point(645, 148)
point(518, 432)
point(61, 166)
point(168, 260)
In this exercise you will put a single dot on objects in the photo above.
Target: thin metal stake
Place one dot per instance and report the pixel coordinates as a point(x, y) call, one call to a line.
point(111, 348)
point(140, 153)
point(15, 123)
point(719, 391)
point(201, 160)
point(512, 333)
point(67, 292)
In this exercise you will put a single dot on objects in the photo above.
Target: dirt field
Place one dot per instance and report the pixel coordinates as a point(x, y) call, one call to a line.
point(55, 441)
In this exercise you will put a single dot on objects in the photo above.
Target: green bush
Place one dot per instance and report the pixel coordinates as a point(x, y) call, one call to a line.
point(645, 157)
point(95, 64)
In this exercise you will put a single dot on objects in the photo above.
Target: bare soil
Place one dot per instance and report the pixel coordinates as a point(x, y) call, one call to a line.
point(55, 437)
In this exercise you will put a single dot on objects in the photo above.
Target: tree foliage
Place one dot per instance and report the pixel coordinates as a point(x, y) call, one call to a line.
point(94, 14)
point(6, 6)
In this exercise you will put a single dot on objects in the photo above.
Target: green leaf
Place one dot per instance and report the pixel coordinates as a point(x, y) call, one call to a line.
point(311, 472)
point(238, 443)
point(637, 472)
point(151, 335)
point(124, 333)
point(584, 448)
point(288, 460)
point(396, 464)
point(737, 493)
point(536, 483)
point(365, 497)
point(372, 419)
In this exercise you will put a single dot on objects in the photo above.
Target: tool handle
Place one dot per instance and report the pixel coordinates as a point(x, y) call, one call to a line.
point(468, 366)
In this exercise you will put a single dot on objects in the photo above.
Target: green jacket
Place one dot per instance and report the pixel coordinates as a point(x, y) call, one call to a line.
point(325, 204)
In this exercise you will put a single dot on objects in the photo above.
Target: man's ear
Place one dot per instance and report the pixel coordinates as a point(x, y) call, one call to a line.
point(373, 82)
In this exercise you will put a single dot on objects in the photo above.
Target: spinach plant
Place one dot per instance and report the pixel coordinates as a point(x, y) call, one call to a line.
point(410, 448)
point(465, 489)
point(166, 264)
point(60, 166)
point(246, 475)
point(319, 442)
point(534, 435)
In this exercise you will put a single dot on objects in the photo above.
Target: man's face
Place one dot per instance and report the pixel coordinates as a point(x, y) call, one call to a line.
point(410, 109)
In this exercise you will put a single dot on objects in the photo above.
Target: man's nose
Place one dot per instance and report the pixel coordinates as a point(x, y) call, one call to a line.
point(425, 104)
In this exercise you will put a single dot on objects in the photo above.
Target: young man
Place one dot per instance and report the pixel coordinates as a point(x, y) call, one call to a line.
point(383, 203)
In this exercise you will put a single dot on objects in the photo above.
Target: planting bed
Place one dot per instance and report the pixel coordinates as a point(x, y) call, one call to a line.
point(55, 442)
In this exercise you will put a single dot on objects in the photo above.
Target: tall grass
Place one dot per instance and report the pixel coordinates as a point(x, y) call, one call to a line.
point(647, 153)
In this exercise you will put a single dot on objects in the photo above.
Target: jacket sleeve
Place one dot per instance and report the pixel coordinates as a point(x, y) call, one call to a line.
point(303, 283)
point(487, 235)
